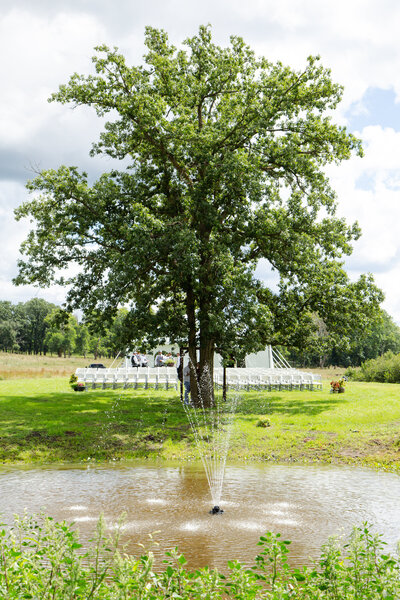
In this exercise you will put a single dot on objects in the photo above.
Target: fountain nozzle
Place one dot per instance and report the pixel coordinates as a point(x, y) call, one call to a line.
point(216, 510)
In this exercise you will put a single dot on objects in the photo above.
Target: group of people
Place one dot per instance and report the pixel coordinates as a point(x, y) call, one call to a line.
point(160, 360)
point(163, 360)
point(139, 360)
point(183, 372)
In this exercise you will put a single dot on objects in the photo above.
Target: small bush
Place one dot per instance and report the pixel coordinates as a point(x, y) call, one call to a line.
point(384, 369)
point(354, 374)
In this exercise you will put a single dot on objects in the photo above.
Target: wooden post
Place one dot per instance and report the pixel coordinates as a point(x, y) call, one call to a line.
point(181, 379)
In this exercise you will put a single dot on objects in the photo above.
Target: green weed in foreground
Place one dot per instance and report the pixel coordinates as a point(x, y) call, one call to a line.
point(40, 558)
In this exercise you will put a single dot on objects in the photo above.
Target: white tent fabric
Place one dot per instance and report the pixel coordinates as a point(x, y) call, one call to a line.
point(261, 360)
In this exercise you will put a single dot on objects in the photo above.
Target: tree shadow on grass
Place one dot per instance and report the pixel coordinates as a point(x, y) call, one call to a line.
point(104, 424)
point(287, 403)
point(71, 426)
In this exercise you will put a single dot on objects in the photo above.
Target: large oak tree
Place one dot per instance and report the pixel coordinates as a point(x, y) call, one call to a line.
point(226, 155)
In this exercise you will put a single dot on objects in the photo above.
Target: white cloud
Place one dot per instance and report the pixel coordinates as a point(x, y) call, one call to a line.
point(377, 209)
point(357, 39)
point(23, 293)
point(12, 234)
point(44, 51)
point(389, 283)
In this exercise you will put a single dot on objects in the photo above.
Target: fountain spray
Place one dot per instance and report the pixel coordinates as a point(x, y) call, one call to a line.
point(212, 426)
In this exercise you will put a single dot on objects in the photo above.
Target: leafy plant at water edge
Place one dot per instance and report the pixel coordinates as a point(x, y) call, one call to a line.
point(41, 558)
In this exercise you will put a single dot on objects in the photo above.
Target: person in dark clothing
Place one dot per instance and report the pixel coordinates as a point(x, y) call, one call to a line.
point(179, 366)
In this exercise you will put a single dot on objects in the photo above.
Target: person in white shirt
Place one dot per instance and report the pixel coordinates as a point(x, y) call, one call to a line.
point(159, 359)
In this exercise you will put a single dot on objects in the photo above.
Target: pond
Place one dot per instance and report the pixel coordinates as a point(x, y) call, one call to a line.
point(306, 504)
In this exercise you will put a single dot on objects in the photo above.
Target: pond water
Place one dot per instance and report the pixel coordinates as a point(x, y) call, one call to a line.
point(306, 504)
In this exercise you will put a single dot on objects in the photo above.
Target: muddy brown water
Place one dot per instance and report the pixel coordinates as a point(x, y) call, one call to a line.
point(306, 504)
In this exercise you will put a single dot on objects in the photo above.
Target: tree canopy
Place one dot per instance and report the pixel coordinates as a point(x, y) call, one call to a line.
point(226, 154)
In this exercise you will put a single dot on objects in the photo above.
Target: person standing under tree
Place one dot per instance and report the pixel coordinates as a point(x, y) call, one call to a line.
point(159, 359)
point(186, 383)
point(179, 366)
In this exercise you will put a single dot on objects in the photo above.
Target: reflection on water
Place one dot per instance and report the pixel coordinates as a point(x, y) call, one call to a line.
point(305, 504)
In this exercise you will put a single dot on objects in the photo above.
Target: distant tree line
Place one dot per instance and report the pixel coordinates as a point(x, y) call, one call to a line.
point(40, 327)
point(323, 349)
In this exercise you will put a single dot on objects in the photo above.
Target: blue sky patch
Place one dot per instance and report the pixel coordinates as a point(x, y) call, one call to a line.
point(366, 181)
point(376, 107)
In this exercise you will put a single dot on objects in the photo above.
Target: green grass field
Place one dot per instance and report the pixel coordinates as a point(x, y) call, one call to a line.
point(42, 420)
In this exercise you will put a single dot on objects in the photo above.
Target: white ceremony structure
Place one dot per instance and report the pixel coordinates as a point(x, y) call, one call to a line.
point(264, 370)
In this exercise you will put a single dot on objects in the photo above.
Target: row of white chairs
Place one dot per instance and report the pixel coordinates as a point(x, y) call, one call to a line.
point(271, 379)
point(130, 377)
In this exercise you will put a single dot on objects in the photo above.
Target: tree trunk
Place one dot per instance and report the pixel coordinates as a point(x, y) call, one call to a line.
point(191, 316)
point(322, 360)
point(206, 378)
point(206, 383)
point(202, 375)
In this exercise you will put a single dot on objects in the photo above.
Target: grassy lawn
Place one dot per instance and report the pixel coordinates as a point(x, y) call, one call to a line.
point(42, 420)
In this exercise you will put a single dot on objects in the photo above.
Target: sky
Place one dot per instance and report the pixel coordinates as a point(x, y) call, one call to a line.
point(43, 42)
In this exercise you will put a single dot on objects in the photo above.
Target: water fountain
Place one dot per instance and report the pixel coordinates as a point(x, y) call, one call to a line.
point(212, 427)
point(216, 510)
